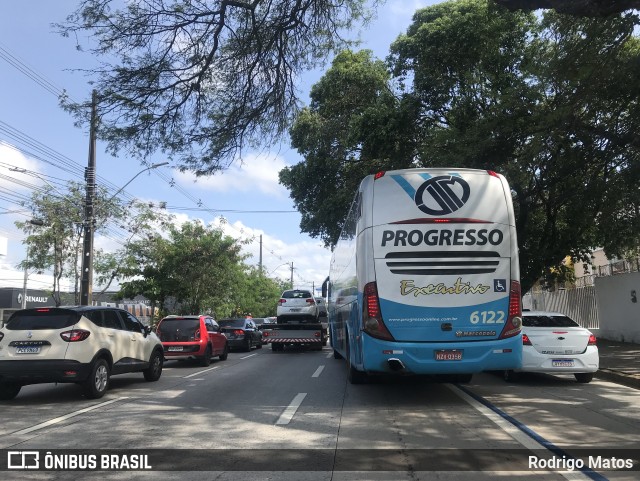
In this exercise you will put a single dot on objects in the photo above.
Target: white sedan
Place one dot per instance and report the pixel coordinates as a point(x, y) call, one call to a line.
point(555, 344)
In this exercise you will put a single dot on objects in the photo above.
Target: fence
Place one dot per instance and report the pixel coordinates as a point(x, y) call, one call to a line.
point(578, 303)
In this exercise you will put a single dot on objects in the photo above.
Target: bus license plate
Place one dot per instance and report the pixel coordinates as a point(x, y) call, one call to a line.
point(562, 362)
point(448, 355)
point(28, 350)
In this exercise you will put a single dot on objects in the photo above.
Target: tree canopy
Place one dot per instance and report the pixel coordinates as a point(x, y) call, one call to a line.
point(551, 102)
point(201, 80)
point(581, 8)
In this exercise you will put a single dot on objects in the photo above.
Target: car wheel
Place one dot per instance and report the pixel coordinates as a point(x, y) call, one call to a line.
point(225, 353)
point(259, 345)
point(153, 372)
point(584, 377)
point(206, 359)
point(510, 376)
point(247, 345)
point(9, 390)
point(98, 382)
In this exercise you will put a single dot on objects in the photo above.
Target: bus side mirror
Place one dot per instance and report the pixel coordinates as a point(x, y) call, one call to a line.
point(325, 286)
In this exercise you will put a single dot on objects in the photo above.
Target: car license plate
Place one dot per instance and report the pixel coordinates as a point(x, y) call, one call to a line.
point(449, 355)
point(28, 350)
point(175, 348)
point(295, 310)
point(562, 362)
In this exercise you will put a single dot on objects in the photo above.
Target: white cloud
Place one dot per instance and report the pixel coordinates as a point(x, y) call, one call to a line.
point(256, 173)
point(310, 258)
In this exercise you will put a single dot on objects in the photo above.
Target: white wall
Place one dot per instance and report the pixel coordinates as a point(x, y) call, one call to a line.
point(619, 315)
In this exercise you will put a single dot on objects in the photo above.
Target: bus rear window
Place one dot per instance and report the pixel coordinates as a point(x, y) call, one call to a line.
point(40, 319)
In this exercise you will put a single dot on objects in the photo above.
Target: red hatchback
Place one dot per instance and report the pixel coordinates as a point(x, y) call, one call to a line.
point(192, 337)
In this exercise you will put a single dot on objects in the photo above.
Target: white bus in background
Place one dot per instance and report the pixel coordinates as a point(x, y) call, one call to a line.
point(425, 276)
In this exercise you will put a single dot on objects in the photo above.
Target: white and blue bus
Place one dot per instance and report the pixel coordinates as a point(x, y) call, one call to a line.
point(425, 276)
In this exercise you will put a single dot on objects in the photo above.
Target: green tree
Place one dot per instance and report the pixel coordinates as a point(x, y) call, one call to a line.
point(550, 102)
point(200, 80)
point(139, 218)
point(354, 126)
point(56, 245)
point(256, 294)
point(580, 8)
point(197, 268)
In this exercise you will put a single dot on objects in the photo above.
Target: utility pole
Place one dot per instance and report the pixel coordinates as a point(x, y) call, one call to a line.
point(86, 281)
point(291, 274)
point(260, 263)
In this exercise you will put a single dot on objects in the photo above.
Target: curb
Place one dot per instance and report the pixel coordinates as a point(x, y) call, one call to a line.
point(629, 380)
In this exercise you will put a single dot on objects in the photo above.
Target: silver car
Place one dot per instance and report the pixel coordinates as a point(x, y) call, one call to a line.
point(297, 305)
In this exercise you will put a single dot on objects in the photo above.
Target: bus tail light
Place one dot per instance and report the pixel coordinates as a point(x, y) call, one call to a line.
point(371, 315)
point(514, 317)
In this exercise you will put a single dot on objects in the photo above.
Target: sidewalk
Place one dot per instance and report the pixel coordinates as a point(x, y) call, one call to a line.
point(619, 362)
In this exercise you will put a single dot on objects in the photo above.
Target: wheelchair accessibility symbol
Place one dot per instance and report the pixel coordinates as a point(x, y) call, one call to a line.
point(499, 285)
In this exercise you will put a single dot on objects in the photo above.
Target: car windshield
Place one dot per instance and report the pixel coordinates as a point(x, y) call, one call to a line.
point(179, 329)
point(296, 295)
point(548, 321)
point(232, 323)
point(40, 319)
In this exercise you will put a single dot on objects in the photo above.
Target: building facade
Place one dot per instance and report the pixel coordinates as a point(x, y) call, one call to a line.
point(11, 301)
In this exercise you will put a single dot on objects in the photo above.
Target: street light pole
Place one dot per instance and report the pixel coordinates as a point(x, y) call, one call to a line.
point(152, 166)
point(87, 259)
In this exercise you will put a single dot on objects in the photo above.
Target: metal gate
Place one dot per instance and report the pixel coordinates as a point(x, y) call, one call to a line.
point(579, 303)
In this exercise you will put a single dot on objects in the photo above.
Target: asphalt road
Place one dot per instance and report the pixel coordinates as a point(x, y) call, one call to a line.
point(293, 416)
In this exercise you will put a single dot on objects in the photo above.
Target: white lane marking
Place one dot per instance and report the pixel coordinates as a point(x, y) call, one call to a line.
point(290, 411)
point(250, 355)
point(201, 372)
point(318, 371)
point(330, 355)
point(67, 416)
point(514, 432)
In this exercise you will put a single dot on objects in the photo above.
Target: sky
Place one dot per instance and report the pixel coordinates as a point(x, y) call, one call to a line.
point(38, 137)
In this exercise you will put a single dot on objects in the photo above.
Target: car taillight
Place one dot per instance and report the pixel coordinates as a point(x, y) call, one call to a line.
point(514, 318)
point(196, 335)
point(525, 340)
point(592, 340)
point(281, 301)
point(74, 335)
point(372, 317)
point(310, 301)
point(240, 332)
